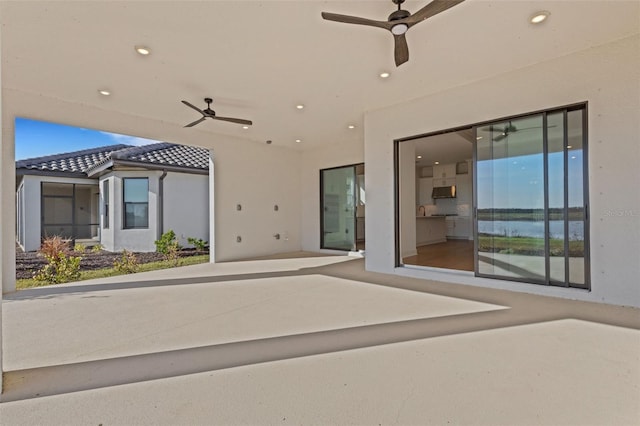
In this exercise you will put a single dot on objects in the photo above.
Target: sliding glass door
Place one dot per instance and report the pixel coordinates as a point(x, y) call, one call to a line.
point(339, 192)
point(530, 203)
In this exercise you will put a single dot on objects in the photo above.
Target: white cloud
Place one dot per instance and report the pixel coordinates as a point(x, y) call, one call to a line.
point(129, 140)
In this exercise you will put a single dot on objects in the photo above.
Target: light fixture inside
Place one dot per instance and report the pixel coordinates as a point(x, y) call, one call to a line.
point(539, 17)
point(478, 138)
point(384, 75)
point(399, 29)
point(436, 162)
point(419, 157)
point(104, 92)
point(143, 50)
point(569, 147)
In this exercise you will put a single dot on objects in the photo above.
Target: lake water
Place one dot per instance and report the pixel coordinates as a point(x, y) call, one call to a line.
point(531, 229)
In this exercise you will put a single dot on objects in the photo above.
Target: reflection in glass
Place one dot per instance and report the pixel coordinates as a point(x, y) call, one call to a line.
point(576, 203)
point(136, 203)
point(338, 208)
point(555, 137)
point(510, 188)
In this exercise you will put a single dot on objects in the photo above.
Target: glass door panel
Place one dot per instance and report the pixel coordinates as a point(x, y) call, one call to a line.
point(575, 199)
point(511, 199)
point(338, 208)
point(557, 216)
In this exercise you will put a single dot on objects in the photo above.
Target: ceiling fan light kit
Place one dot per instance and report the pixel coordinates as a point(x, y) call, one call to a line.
point(398, 23)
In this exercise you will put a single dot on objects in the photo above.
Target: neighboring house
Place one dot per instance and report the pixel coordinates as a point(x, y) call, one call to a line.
point(120, 196)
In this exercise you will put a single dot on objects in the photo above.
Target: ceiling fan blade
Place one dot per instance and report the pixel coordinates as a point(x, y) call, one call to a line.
point(500, 137)
point(195, 122)
point(194, 107)
point(356, 20)
point(233, 120)
point(401, 50)
point(433, 8)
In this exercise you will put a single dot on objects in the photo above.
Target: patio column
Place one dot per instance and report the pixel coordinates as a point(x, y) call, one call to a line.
point(2, 217)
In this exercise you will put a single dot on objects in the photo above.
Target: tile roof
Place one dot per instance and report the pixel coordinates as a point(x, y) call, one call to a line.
point(158, 154)
point(71, 162)
point(166, 154)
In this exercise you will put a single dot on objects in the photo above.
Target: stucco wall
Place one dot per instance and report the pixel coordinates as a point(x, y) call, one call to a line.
point(608, 78)
point(186, 206)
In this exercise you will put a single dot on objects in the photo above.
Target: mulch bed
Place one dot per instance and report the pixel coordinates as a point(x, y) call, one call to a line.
point(30, 262)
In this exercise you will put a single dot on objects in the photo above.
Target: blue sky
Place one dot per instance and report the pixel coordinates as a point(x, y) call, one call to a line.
point(39, 138)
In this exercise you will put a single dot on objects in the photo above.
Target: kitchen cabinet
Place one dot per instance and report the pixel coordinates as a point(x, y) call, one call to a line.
point(458, 227)
point(430, 230)
point(444, 175)
point(425, 186)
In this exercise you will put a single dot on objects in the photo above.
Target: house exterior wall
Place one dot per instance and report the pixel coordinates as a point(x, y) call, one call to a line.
point(608, 78)
point(185, 204)
point(116, 237)
point(31, 207)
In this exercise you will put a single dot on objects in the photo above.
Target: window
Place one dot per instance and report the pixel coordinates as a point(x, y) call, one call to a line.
point(105, 196)
point(136, 202)
point(69, 210)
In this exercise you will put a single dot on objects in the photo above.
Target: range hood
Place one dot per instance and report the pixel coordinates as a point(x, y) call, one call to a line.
point(444, 192)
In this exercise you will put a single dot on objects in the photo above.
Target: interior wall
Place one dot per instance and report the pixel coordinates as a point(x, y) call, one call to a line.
point(250, 173)
point(608, 78)
point(312, 162)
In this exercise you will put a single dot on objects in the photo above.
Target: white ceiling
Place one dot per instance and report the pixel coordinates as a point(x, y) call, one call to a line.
point(258, 59)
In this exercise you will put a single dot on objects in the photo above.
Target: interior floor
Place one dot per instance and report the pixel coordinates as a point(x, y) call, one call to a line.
point(454, 254)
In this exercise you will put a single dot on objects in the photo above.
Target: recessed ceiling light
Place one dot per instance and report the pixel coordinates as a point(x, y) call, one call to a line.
point(143, 50)
point(419, 157)
point(300, 106)
point(245, 127)
point(478, 138)
point(539, 17)
point(104, 92)
point(351, 126)
point(436, 162)
point(569, 147)
point(298, 140)
point(384, 75)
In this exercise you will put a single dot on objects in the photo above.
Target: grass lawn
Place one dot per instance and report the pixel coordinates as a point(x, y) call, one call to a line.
point(110, 272)
point(528, 246)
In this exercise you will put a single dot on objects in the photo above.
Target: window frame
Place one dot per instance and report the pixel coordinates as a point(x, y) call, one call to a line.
point(125, 203)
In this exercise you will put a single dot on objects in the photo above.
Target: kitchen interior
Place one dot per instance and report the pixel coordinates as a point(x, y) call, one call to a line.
point(443, 201)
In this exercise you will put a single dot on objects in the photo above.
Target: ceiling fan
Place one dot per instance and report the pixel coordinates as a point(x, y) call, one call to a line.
point(398, 23)
point(504, 131)
point(209, 113)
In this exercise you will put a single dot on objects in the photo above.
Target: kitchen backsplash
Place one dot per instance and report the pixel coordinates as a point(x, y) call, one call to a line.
point(445, 207)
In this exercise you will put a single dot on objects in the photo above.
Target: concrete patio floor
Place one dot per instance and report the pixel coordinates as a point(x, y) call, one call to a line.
point(312, 340)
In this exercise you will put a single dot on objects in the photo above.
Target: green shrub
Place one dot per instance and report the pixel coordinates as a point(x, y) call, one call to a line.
point(127, 264)
point(61, 266)
point(199, 244)
point(169, 246)
point(79, 247)
point(167, 242)
point(97, 248)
